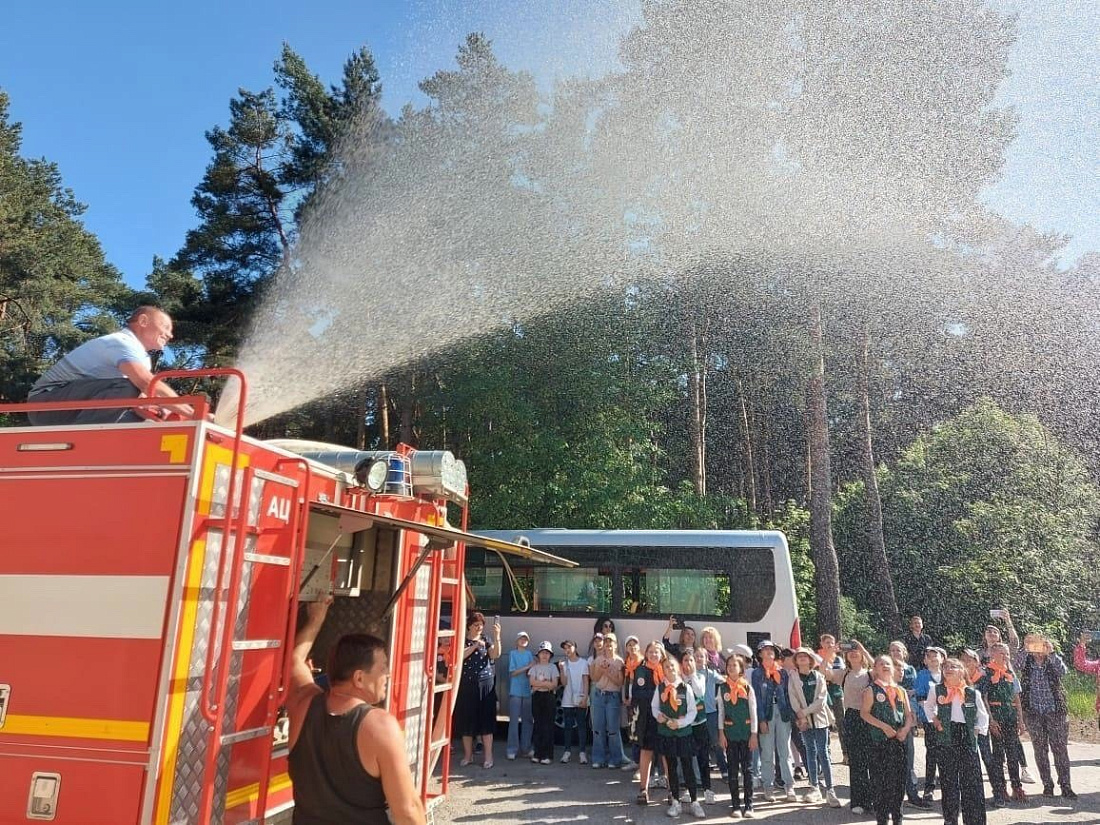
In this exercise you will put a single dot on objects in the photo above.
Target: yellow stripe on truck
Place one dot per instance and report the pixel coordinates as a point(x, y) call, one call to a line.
point(250, 793)
point(70, 727)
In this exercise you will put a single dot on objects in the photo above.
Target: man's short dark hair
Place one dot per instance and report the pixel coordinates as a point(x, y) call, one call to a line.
point(144, 309)
point(355, 651)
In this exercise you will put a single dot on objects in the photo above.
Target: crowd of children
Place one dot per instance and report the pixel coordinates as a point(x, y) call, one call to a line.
point(760, 716)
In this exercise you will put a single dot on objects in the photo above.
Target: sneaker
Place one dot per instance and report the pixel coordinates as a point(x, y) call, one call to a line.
point(531, 752)
point(923, 804)
point(583, 758)
point(1019, 796)
point(1067, 792)
point(735, 813)
point(799, 773)
point(510, 757)
point(636, 776)
point(1048, 791)
point(658, 781)
point(928, 796)
point(697, 811)
point(685, 797)
point(535, 759)
point(674, 808)
point(792, 796)
point(812, 797)
point(597, 765)
point(857, 810)
point(628, 765)
point(544, 761)
point(757, 783)
point(749, 813)
point(708, 796)
point(830, 798)
point(1026, 777)
point(999, 800)
point(565, 757)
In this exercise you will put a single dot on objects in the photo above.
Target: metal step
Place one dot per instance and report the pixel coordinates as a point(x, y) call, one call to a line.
point(446, 634)
point(443, 687)
point(451, 582)
point(257, 644)
point(245, 735)
point(439, 743)
point(260, 558)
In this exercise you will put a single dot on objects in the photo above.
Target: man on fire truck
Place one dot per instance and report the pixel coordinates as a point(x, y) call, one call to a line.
point(110, 366)
point(347, 757)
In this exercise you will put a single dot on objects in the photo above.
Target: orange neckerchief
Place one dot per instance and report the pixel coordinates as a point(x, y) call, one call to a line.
point(1000, 672)
point(974, 678)
point(739, 690)
point(892, 693)
point(669, 695)
point(825, 657)
point(773, 673)
point(953, 693)
point(632, 662)
point(658, 671)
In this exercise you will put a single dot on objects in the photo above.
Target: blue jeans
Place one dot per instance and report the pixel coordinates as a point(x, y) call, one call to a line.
point(519, 707)
point(575, 720)
point(817, 756)
point(607, 743)
point(777, 739)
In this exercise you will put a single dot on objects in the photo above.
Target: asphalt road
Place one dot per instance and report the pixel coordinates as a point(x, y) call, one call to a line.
point(520, 792)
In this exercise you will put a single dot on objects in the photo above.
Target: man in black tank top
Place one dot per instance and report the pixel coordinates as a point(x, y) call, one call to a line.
point(347, 758)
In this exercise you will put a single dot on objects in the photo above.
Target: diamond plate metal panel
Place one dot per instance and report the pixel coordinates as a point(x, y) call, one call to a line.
point(352, 614)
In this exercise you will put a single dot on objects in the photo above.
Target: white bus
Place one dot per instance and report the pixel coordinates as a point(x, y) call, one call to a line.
point(738, 581)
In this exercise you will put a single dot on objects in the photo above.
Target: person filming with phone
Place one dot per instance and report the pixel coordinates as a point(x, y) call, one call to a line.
point(1084, 664)
point(1045, 711)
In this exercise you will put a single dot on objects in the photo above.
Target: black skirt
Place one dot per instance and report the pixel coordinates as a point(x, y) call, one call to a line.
point(475, 709)
point(700, 738)
point(645, 728)
point(676, 747)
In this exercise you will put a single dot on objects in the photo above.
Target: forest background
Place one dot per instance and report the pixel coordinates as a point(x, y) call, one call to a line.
point(918, 414)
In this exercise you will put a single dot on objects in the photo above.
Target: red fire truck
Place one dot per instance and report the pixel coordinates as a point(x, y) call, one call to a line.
point(150, 579)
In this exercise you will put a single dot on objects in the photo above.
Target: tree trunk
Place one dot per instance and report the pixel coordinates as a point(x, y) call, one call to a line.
point(765, 450)
point(698, 392)
point(826, 567)
point(876, 540)
point(361, 418)
point(746, 452)
point(384, 416)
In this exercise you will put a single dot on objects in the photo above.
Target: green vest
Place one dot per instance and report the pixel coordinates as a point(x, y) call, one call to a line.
point(736, 724)
point(970, 713)
point(881, 710)
point(667, 710)
point(1000, 697)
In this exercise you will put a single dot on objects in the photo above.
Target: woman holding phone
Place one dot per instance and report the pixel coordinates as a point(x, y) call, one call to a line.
point(476, 705)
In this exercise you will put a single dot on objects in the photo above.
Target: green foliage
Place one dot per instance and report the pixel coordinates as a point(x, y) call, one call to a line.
point(862, 625)
point(1080, 694)
point(987, 510)
point(56, 289)
point(794, 521)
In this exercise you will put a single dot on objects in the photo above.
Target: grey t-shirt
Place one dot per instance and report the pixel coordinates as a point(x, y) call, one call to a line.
point(98, 358)
point(544, 673)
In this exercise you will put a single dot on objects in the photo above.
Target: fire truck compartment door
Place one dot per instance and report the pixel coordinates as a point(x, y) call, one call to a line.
point(352, 521)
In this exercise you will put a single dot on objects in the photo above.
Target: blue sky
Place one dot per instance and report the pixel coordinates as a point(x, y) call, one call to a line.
point(120, 93)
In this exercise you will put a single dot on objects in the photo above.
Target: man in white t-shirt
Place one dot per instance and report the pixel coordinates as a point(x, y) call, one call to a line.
point(118, 365)
point(574, 699)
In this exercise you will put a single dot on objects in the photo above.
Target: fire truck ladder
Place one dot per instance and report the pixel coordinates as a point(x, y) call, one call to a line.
point(447, 576)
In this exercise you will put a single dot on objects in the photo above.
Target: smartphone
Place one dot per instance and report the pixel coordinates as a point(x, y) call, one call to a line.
point(996, 614)
point(677, 623)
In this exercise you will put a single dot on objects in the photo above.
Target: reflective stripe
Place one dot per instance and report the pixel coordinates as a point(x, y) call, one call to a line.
point(249, 793)
point(106, 607)
point(119, 730)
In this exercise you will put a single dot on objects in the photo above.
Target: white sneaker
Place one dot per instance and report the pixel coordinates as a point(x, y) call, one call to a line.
point(511, 757)
point(636, 776)
point(565, 757)
point(735, 813)
point(830, 798)
point(857, 810)
point(629, 765)
point(583, 758)
point(658, 781)
point(697, 810)
point(548, 761)
point(1026, 777)
point(596, 765)
point(708, 796)
point(674, 808)
point(749, 814)
point(685, 797)
point(535, 759)
point(792, 796)
point(813, 796)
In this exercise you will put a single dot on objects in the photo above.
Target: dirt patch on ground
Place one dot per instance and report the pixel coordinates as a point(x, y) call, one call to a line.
point(1084, 730)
